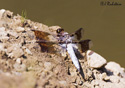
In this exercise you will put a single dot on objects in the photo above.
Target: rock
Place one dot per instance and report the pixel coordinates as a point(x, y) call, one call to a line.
point(113, 67)
point(2, 29)
point(40, 64)
point(122, 80)
point(97, 87)
point(19, 67)
point(3, 34)
point(1, 12)
point(18, 60)
point(114, 79)
point(105, 77)
point(16, 54)
point(7, 74)
point(17, 20)
point(16, 73)
point(20, 29)
point(30, 68)
point(73, 72)
point(48, 66)
point(95, 83)
point(63, 83)
point(15, 51)
point(2, 47)
point(95, 60)
point(12, 33)
point(28, 51)
point(1, 72)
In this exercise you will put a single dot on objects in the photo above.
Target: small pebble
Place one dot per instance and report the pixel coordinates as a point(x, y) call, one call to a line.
point(28, 51)
point(1, 12)
point(48, 66)
point(19, 60)
point(20, 29)
point(19, 67)
point(2, 47)
point(63, 83)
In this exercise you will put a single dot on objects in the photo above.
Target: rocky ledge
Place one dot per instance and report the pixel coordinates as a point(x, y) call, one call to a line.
point(24, 64)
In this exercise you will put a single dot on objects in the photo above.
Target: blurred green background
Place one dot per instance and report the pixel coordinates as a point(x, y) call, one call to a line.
point(104, 25)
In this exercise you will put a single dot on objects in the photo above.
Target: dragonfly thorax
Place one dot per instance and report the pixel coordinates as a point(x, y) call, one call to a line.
point(65, 38)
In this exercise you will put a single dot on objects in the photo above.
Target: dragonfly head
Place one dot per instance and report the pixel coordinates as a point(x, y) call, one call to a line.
point(59, 30)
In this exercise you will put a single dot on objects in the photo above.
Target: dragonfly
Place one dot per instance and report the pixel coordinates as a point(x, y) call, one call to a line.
point(68, 43)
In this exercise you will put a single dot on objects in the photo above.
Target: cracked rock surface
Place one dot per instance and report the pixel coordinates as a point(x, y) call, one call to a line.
point(24, 64)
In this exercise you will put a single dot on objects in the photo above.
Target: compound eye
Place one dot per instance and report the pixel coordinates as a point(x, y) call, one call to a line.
point(59, 30)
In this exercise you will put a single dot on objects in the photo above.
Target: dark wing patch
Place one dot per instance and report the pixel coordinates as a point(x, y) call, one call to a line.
point(40, 35)
point(78, 33)
point(42, 38)
point(85, 44)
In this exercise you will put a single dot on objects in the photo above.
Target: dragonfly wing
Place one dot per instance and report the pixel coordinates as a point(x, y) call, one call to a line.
point(73, 56)
point(40, 35)
point(78, 34)
point(42, 39)
point(85, 44)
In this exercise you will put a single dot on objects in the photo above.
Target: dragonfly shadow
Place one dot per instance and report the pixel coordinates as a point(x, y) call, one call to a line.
point(81, 72)
point(80, 56)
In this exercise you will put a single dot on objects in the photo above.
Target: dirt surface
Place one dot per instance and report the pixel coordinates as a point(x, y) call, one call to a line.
point(25, 64)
